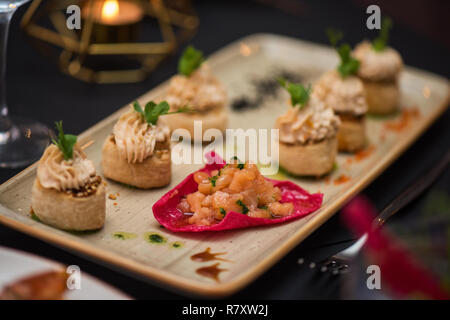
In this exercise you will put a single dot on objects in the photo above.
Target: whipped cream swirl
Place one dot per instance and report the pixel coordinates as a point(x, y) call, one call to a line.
point(135, 138)
point(344, 95)
point(56, 173)
point(312, 123)
point(384, 65)
point(200, 91)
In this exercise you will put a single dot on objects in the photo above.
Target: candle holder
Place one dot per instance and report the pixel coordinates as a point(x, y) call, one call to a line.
point(119, 40)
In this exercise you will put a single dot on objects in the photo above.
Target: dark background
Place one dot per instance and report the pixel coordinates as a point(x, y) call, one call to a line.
point(38, 90)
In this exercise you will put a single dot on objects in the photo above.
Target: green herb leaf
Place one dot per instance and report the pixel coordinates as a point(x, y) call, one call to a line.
point(137, 107)
point(348, 65)
point(222, 211)
point(213, 180)
point(65, 142)
point(153, 111)
point(240, 164)
point(244, 207)
point(264, 207)
point(380, 43)
point(334, 36)
point(190, 61)
point(299, 94)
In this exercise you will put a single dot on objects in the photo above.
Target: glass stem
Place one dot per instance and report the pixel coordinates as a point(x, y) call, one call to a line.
point(5, 19)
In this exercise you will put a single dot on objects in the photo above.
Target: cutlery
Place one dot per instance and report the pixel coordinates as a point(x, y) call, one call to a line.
point(339, 263)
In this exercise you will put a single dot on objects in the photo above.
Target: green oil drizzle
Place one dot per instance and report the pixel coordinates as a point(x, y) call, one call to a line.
point(155, 238)
point(124, 235)
point(35, 217)
point(176, 244)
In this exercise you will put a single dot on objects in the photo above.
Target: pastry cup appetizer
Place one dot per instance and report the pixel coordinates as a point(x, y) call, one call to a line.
point(196, 87)
point(137, 153)
point(344, 92)
point(229, 196)
point(308, 142)
point(67, 193)
point(380, 69)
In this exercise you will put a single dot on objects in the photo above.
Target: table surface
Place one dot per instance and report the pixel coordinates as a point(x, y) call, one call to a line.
point(38, 90)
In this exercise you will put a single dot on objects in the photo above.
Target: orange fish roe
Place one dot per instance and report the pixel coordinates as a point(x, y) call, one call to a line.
point(361, 155)
point(237, 187)
point(112, 197)
point(405, 119)
point(342, 179)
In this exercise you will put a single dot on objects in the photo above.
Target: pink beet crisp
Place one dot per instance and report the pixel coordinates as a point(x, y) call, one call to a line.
point(237, 187)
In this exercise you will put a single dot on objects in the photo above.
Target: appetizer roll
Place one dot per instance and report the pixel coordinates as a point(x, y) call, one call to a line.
point(308, 143)
point(67, 193)
point(237, 187)
point(196, 87)
point(379, 71)
point(137, 153)
point(343, 91)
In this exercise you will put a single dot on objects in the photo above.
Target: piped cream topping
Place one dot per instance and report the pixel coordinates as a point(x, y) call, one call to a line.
point(56, 173)
point(312, 123)
point(377, 66)
point(341, 94)
point(135, 138)
point(200, 91)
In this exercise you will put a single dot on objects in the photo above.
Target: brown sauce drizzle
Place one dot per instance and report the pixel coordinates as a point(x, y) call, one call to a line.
point(211, 271)
point(207, 255)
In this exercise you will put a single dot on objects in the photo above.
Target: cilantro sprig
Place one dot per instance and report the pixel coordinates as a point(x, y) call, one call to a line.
point(153, 111)
point(190, 61)
point(213, 180)
point(65, 142)
point(299, 94)
point(245, 209)
point(381, 42)
point(348, 65)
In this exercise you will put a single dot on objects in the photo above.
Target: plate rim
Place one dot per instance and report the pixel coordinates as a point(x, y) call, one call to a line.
point(56, 264)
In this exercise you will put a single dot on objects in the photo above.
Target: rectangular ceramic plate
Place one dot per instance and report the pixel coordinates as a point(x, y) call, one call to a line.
point(250, 251)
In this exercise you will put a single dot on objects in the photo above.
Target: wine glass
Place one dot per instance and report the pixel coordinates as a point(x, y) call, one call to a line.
point(22, 141)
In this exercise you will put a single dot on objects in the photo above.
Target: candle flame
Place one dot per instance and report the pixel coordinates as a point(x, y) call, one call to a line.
point(110, 9)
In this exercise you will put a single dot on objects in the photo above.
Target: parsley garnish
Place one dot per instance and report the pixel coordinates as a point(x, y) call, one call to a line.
point(244, 207)
point(299, 94)
point(153, 111)
point(240, 165)
point(264, 207)
point(65, 142)
point(348, 65)
point(380, 43)
point(222, 211)
point(213, 180)
point(190, 61)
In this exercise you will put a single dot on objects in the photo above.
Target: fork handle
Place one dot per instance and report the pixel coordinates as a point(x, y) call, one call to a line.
point(412, 191)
